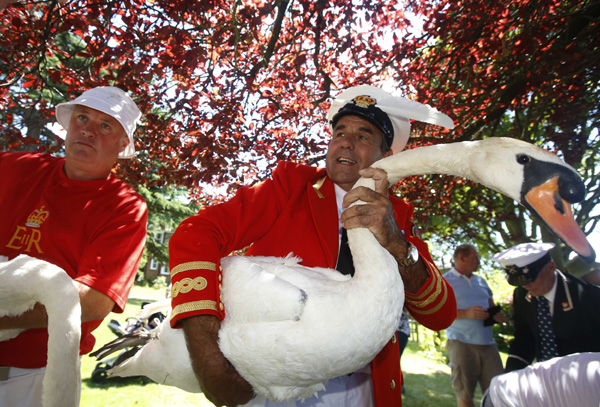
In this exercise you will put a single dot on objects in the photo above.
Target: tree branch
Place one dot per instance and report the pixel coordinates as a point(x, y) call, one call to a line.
point(281, 9)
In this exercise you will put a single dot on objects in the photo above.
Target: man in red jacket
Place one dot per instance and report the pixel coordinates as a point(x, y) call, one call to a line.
point(302, 209)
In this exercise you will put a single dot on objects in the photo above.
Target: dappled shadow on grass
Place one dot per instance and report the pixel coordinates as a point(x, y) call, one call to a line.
point(115, 381)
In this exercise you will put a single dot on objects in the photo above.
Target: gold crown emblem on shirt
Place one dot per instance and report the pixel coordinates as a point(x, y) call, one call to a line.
point(364, 101)
point(37, 217)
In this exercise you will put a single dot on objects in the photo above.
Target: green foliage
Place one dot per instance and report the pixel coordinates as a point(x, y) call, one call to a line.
point(504, 333)
point(167, 208)
point(433, 344)
point(503, 296)
point(160, 283)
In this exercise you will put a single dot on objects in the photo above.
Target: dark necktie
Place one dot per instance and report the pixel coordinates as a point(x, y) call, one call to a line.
point(344, 263)
point(545, 332)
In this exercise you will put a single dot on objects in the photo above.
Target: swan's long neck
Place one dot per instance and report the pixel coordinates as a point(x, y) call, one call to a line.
point(464, 159)
point(61, 385)
point(469, 159)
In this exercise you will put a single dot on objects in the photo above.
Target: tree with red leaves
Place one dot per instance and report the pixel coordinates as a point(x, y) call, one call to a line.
point(523, 69)
point(222, 84)
point(229, 88)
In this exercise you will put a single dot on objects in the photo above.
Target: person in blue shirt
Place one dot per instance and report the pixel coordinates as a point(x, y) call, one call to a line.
point(472, 351)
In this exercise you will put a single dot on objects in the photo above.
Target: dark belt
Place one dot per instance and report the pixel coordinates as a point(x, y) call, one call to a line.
point(4, 370)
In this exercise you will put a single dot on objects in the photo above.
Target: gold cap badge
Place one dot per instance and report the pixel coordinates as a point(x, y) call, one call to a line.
point(364, 101)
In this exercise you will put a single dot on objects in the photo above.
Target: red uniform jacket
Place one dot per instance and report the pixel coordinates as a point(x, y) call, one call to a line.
point(294, 211)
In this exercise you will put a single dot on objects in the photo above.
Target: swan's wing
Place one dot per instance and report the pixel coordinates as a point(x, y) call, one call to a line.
point(289, 269)
point(164, 359)
point(316, 273)
point(125, 341)
point(253, 292)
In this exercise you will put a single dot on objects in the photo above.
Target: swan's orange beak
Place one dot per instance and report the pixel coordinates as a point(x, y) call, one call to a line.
point(546, 201)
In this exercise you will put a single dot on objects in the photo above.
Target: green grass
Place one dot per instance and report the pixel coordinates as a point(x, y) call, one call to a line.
point(116, 392)
point(427, 382)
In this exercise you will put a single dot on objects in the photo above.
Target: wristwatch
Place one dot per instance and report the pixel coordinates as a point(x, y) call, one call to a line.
point(411, 258)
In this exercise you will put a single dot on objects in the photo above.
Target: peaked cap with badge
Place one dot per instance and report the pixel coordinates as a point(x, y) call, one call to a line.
point(391, 114)
point(522, 263)
point(575, 308)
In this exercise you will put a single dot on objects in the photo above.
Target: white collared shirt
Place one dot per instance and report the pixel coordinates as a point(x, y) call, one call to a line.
point(339, 199)
point(551, 295)
point(458, 274)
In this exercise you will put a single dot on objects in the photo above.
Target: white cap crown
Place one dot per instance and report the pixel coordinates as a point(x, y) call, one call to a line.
point(110, 100)
point(522, 254)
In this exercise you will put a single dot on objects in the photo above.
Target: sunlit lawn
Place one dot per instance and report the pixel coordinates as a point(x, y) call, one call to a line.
point(427, 382)
point(117, 392)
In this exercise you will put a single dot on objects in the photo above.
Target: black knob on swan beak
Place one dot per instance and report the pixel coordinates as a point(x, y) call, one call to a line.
point(570, 186)
point(536, 172)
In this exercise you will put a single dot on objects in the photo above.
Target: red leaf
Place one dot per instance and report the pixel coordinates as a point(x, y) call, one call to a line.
point(29, 83)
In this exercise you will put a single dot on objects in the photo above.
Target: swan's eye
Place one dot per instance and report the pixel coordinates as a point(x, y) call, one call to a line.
point(523, 159)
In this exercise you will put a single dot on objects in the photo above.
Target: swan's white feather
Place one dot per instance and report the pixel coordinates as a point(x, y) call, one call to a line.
point(305, 352)
point(26, 280)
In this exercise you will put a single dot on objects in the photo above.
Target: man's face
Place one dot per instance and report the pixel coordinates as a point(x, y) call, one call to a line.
point(543, 282)
point(471, 261)
point(94, 140)
point(355, 144)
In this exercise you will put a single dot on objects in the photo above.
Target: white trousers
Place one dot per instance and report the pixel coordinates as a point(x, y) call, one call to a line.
point(355, 390)
point(23, 388)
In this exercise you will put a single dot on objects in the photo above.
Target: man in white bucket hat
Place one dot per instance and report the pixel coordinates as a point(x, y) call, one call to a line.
point(72, 212)
point(301, 209)
point(104, 120)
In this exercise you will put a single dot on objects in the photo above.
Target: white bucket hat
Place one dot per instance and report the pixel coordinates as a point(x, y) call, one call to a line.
point(398, 109)
point(110, 100)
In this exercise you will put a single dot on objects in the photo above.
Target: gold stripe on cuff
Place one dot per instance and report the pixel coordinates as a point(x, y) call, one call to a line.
point(194, 306)
point(193, 265)
point(429, 311)
point(436, 283)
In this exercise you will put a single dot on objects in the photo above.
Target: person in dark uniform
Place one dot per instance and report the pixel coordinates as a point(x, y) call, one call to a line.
point(555, 314)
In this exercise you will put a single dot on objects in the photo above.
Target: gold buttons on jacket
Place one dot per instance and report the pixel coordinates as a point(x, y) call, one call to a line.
point(393, 384)
point(394, 339)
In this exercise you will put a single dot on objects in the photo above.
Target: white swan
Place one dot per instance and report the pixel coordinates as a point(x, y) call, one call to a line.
point(26, 280)
point(288, 328)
